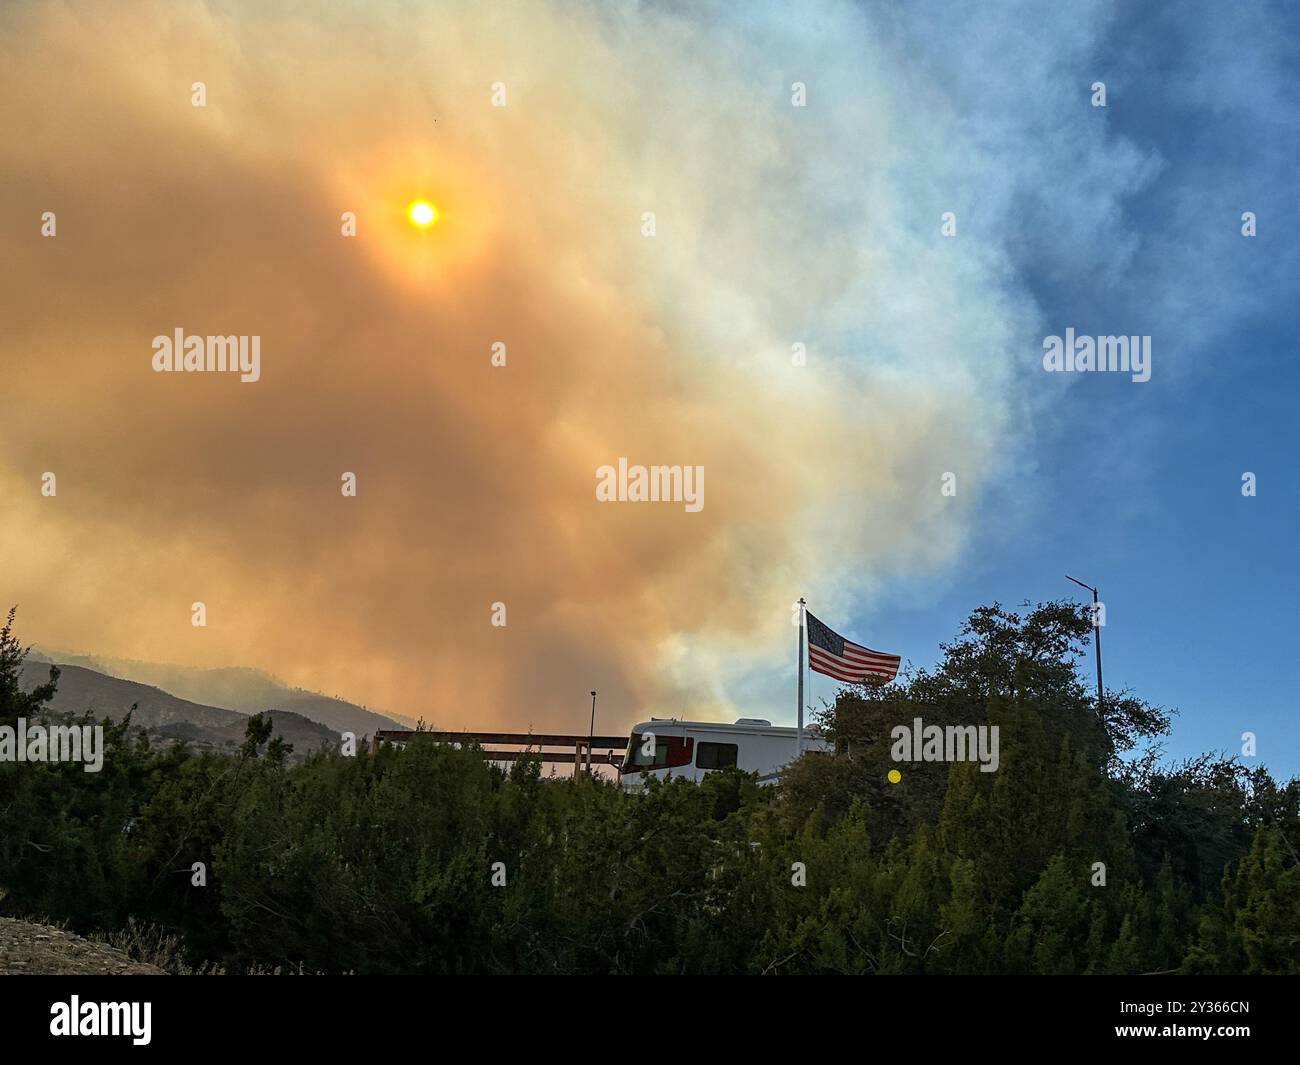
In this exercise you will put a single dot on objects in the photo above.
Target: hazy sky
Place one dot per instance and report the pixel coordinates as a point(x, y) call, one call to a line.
point(774, 226)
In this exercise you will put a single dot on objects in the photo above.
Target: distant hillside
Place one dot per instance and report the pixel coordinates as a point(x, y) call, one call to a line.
point(163, 714)
point(305, 735)
point(83, 689)
point(248, 691)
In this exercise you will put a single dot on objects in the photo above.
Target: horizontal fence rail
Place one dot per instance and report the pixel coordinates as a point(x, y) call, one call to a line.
point(606, 758)
point(583, 749)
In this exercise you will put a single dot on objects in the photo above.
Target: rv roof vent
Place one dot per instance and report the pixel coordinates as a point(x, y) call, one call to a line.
point(753, 721)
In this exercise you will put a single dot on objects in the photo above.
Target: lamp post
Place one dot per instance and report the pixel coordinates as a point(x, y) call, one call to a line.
point(591, 736)
point(1096, 633)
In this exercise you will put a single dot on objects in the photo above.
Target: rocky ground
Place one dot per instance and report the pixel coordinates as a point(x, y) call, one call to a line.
point(43, 950)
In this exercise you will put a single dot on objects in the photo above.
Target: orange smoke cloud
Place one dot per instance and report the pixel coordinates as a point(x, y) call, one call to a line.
point(475, 483)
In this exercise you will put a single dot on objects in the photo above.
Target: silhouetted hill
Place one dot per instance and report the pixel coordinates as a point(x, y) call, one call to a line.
point(82, 689)
point(165, 715)
point(248, 691)
point(305, 735)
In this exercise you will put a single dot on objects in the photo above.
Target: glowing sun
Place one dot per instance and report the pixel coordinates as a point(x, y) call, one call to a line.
point(422, 214)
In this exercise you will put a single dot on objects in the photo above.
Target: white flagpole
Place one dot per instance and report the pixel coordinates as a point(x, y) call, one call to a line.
point(803, 642)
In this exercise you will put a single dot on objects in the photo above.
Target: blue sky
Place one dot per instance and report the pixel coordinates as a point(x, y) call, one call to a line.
point(1137, 487)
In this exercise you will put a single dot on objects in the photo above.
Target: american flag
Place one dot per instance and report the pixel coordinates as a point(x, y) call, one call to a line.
point(832, 654)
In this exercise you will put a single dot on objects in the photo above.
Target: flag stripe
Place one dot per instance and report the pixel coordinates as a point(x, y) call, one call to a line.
point(838, 672)
point(832, 672)
point(890, 662)
point(849, 675)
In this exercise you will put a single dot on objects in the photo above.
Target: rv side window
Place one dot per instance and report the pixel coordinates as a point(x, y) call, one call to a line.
point(669, 751)
point(716, 755)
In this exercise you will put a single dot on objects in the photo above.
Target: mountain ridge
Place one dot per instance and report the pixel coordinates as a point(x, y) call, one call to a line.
point(238, 689)
point(167, 716)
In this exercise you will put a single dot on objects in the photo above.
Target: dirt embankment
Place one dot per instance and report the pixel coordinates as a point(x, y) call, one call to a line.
point(41, 950)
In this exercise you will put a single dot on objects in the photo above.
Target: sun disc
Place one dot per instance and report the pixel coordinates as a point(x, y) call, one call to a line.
point(422, 214)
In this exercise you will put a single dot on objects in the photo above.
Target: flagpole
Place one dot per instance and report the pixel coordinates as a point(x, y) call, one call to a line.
point(803, 637)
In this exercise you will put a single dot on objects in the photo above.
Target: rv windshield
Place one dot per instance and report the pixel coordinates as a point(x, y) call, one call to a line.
point(647, 751)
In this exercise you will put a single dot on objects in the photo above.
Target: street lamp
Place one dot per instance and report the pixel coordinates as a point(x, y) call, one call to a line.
point(591, 736)
point(1096, 634)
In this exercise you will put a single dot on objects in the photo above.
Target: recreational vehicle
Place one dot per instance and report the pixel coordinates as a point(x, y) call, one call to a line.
point(667, 747)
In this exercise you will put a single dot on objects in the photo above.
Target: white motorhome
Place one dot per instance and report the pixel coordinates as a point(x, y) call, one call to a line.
point(691, 749)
